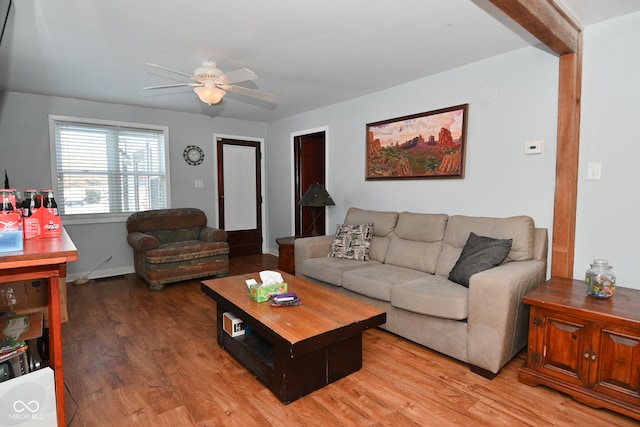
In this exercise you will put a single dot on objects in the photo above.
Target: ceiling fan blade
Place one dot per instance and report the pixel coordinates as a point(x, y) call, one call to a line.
point(175, 85)
point(169, 69)
point(249, 92)
point(237, 76)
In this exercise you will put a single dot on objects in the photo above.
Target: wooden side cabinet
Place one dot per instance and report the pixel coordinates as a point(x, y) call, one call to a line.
point(586, 347)
point(286, 259)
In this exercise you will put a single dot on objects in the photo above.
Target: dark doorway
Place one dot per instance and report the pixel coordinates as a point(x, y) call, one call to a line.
point(240, 195)
point(309, 163)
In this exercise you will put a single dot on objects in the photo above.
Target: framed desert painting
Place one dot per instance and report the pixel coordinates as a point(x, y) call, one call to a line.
point(425, 145)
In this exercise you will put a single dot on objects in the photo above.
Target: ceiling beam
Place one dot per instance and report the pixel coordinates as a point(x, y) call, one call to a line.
point(546, 20)
point(550, 23)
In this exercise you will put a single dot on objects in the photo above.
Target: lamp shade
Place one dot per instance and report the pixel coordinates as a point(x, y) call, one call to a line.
point(316, 196)
point(209, 94)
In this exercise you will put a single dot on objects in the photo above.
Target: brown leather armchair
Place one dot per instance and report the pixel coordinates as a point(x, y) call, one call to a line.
point(171, 245)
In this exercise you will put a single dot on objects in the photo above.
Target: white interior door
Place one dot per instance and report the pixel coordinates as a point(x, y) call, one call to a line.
point(239, 195)
point(240, 208)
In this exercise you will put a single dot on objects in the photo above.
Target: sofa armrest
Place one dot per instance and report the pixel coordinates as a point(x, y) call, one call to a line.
point(211, 234)
point(497, 319)
point(310, 247)
point(142, 242)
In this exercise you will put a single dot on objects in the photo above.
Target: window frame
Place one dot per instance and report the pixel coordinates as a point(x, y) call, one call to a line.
point(93, 218)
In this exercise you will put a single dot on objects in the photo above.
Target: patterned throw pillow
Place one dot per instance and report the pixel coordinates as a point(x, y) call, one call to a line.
point(479, 253)
point(352, 241)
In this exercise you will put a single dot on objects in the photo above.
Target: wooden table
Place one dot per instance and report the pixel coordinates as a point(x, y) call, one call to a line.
point(45, 258)
point(584, 346)
point(294, 350)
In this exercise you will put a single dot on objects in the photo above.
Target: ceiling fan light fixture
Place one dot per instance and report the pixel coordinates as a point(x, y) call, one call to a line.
point(208, 70)
point(209, 95)
point(211, 84)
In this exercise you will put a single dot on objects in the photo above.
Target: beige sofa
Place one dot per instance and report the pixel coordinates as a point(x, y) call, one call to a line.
point(407, 274)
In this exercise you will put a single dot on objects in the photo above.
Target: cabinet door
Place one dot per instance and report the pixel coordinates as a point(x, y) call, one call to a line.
point(564, 344)
point(616, 363)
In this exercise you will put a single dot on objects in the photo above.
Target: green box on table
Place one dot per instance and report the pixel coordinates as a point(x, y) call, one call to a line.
point(261, 293)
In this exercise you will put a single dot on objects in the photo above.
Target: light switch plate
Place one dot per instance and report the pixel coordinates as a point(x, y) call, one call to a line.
point(594, 171)
point(533, 147)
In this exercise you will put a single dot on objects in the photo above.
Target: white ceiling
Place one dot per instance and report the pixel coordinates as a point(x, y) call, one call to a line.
point(308, 53)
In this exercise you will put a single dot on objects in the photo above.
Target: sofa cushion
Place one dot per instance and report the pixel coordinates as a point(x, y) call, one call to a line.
point(479, 253)
point(377, 281)
point(416, 241)
point(184, 251)
point(329, 270)
point(176, 235)
point(518, 228)
point(383, 225)
point(352, 241)
point(433, 295)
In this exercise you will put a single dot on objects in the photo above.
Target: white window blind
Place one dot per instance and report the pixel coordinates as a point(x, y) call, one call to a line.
point(108, 170)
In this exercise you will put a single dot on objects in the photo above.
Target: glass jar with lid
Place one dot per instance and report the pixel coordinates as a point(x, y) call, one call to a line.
point(600, 280)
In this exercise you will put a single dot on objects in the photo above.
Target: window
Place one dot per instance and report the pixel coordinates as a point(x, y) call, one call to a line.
point(108, 169)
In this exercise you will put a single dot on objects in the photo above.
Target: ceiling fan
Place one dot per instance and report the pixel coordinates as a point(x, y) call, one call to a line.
point(211, 84)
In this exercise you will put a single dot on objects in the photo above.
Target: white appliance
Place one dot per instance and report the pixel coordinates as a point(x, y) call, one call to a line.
point(29, 400)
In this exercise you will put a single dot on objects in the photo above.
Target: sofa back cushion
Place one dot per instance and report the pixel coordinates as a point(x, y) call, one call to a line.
point(383, 225)
point(168, 225)
point(417, 241)
point(518, 228)
point(175, 236)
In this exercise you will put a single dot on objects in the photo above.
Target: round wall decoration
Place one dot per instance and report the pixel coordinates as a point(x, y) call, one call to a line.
point(193, 155)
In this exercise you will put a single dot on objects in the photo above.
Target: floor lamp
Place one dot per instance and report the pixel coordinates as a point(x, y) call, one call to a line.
point(316, 198)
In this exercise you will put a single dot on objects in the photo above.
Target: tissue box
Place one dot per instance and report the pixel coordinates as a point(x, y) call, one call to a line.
point(260, 293)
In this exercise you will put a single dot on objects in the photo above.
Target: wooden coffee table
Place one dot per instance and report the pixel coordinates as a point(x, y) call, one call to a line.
point(294, 350)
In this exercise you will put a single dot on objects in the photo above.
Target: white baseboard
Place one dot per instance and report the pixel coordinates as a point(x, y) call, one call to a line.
point(106, 272)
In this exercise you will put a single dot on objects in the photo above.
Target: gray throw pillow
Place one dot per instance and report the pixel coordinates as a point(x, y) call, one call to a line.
point(479, 253)
point(352, 241)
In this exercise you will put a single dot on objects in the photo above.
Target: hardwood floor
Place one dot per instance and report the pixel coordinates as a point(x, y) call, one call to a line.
point(138, 357)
